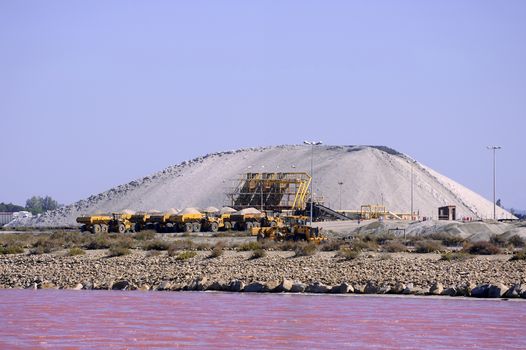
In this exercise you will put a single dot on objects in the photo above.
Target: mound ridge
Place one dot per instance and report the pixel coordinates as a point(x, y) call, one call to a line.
point(370, 175)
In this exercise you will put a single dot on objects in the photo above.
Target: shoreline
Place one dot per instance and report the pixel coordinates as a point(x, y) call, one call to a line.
point(390, 274)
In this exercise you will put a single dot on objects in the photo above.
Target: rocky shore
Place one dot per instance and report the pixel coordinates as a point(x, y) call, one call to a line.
point(279, 271)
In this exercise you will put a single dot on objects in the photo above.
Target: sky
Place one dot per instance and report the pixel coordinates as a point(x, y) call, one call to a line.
point(94, 94)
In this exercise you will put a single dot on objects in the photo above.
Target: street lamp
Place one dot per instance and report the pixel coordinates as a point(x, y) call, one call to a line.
point(494, 148)
point(340, 183)
point(412, 185)
point(312, 144)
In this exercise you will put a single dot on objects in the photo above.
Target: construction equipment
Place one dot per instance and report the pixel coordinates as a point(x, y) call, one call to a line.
point(271, 191)
point(289, 233)
point(103, 223)
point(245, 219)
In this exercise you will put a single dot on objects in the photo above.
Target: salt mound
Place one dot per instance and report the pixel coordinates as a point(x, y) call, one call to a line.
point(227, 210)
point(152, 211)
point(128, 211)
point(249, 211)
point(186, 211)
point(370, 175)
point(211, 210)
point(172, 211)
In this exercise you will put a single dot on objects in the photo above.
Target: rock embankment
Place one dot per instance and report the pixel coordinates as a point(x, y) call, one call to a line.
point(325, 272)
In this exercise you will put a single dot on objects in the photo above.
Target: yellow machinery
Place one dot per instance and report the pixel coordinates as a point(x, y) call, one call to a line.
point(187, 221)
point(141, 220)
point(271, 191)
point(245, 219)
point(104, 223)
point(289, 233)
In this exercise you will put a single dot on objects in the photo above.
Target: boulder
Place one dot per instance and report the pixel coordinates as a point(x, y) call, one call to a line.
point(497, 290)
point(218, 286)
point(87, 285)
point(47, 285)
point(480, 291)
point(78, 286)
point(317, 287)
point(371, 288)
point(359, 288)
point(409, 288)
point(513, 292)
point(271, 286)
point(342, 289)
point(254, 287)
point(164, 285)
point(298, 287)
point(398, 288)
point(123, 285)
point(197, 284)
point(236, 286)
point(451, 291)
point(436, 289)
point(144, 287)
point(285, 286)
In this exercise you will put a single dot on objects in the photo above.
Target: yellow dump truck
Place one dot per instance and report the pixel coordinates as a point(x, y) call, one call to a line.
point(103, 223)
point(187, 220)
point(246, 219)
point(289, 233)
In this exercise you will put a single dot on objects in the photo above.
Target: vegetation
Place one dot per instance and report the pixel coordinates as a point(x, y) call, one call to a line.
point(428, 246)
point(156, 245)
point(348, 253)
point(517, 241)
point(481, 248)
point(118, 251)
point(447, 239)
point(258, 253)
point(185, 255)
point(144, 235)
point(394, 247)
point(11, 249)
point(249, 246)
point(217, 251)
point(451, 256)
point(305, 249)
point(76, 251)
point(520, 255)
point(38, 205)
point(10, 207)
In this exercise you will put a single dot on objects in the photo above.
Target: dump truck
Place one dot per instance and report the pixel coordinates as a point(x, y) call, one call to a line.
point(103, 223)
point(187, 220)
point(289, 233)
point(245, 219)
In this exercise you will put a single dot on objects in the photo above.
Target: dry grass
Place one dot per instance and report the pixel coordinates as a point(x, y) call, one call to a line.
point(428, 246)
point(305, 249)
point(481, 248)
point(394, 247)
point(185, 255)
point(258, 253)
point(348, 253)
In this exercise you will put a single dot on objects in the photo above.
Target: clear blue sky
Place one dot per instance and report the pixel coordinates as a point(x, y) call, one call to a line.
point(98, 93)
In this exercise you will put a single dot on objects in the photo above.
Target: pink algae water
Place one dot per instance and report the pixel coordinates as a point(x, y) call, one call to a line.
point(111, 319)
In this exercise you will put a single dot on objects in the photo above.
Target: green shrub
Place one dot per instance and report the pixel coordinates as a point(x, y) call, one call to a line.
point(144, 235)
point(516, 241)
point(258, 253)
point(447, 239)
point(305, 249)
point(394, 247)
point(99, 241)
point(76, 251)
point(498, 241)
point(156, 245)
point(185, 244)
point(363, 245)
point(249, 246)
point(331, 245)
point(118, 251)
point(428, 246)
point(520, 255)
point(454, 256)
point(348, 253)
point(11, 249)
point(481, 248)
point(45, 245)
point(185, 255)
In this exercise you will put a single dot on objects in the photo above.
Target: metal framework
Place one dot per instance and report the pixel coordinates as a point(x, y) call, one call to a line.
point(271, 191)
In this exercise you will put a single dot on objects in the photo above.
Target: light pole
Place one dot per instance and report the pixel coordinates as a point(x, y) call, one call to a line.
point(412, 183)
point(312, 144)
point(340, 183)
point(494, 148)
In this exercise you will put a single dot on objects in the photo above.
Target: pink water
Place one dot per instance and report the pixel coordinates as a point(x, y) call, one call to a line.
point(100, 319)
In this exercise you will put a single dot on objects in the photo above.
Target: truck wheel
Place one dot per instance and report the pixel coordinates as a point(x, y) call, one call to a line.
point(228, 225)
point(104, 228)
point(137, 227)
point(260, 237)
point(196, 227)
point(188, 227)
point(248, 226)
point(96, 228)
point(122, 228)
point(214, 227)
point(83, 228)
point(273, 224)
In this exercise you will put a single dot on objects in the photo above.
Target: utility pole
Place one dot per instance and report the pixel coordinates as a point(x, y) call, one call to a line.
point(340, 183)
point(412, 181)
point(494, 148)
point(312, 144)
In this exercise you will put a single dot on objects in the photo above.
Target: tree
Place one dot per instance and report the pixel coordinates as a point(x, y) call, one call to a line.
point(10, 207)
point(498, 203)
point(38, 205)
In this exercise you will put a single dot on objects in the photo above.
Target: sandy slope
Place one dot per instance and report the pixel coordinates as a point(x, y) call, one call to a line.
point(369, 175)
